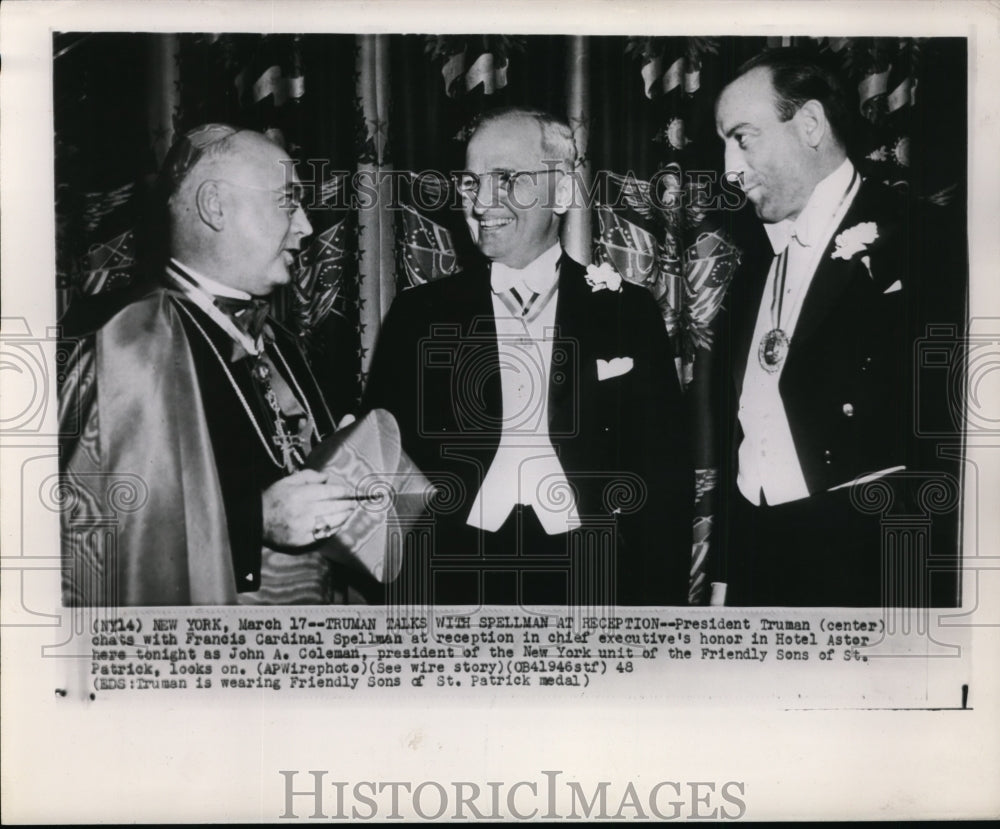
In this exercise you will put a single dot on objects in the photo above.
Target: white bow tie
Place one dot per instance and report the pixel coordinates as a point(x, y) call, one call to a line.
point(781, 233)
point(536, 277)
point(503, 278)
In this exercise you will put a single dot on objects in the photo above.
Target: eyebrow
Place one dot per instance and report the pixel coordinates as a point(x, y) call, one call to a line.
point(741, 125)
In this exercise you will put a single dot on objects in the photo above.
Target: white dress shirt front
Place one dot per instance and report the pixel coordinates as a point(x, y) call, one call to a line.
point(768, 462)
point(526, 469)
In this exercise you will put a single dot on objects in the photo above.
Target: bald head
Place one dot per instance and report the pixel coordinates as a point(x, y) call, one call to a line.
point(232, 215)
point(555, 135)
point(226, 149)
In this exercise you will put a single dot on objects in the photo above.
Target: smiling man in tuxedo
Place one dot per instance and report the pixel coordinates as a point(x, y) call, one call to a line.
point(541, 396)
point(822, 328)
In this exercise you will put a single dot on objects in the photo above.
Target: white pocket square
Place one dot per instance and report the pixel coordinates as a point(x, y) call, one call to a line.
point(606, 369)
point(895, 286)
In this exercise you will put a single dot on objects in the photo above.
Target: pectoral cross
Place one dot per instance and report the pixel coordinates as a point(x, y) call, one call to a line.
point(288, 444)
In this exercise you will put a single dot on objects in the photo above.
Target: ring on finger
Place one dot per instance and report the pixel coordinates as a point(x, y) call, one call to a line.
point(322, 529)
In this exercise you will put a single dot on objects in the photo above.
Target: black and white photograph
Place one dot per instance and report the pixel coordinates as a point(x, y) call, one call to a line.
point(607, 376)
point(390, 382)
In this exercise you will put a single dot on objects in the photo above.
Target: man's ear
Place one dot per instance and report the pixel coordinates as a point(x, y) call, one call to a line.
point(564, 193)
point(209, 203)
point(812, 123)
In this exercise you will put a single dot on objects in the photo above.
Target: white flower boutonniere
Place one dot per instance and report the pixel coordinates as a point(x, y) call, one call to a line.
point(854, 240)
point(603, 276)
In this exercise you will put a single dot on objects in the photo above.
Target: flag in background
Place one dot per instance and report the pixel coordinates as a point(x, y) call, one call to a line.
point(318, 284)
point(109, 265)
point(428, 251)
point(427, 248)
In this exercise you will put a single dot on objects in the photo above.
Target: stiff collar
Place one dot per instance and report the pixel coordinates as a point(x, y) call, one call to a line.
point(539, 275)
point(197, 288)
point(209, 286)
point(826, 199)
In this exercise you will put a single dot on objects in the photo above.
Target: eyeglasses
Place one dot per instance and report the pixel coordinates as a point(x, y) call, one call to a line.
point(292, 195)
point(469, 184)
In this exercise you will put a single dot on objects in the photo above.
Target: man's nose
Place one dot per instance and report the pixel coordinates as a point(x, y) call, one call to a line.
point(300, 222)
point(485, 197)
point(735, 162)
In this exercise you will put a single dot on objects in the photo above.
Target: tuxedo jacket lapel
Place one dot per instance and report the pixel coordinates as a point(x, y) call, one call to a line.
point(486, 401)
point(566, 369)
point(831, 278)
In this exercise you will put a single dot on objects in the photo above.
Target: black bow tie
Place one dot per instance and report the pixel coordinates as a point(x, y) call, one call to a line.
point(247, 314)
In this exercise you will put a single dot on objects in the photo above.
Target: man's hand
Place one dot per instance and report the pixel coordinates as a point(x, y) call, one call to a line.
point(304, 508)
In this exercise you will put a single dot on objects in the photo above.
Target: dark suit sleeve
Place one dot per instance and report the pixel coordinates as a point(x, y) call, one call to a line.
point(393, 377)
point(663, 526)
point(939, 316)
point(714, 398)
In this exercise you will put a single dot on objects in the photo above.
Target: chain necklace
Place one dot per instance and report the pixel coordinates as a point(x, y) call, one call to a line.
point(774, 345)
